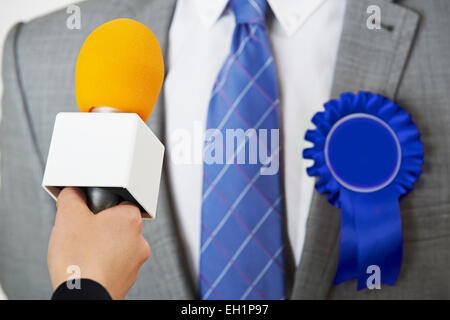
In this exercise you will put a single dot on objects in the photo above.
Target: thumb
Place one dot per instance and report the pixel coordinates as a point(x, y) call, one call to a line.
point(71, 200)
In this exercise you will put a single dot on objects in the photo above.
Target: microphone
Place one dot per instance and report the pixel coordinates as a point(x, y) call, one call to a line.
point(120, 66)
point(107, 149)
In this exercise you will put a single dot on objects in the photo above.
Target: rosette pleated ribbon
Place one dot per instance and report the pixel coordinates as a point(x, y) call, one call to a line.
point(367, 154)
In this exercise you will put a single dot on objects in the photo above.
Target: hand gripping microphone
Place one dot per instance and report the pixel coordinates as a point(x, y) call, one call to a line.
point(107, 149)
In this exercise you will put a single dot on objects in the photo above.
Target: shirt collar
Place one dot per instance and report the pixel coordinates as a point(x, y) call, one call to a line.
point(291, 14)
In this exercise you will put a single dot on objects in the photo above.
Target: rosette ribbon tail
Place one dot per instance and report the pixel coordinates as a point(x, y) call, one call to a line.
point(371, 237)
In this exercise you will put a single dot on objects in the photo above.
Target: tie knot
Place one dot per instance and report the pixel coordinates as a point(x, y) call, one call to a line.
point(249, 11)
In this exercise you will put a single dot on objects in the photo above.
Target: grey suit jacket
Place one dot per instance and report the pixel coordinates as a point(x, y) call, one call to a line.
point(408, 61)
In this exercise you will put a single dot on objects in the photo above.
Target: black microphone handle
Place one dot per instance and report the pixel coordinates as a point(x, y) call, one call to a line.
point(99, 199)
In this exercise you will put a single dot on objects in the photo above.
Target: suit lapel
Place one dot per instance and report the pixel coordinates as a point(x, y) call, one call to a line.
point(371, 60)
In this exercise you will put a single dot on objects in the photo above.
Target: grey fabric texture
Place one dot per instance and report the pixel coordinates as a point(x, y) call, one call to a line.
point(408, 61)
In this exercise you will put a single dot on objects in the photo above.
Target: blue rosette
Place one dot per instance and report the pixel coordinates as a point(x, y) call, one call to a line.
point(367, 154)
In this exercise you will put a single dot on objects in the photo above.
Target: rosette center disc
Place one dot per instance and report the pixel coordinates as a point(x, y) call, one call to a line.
point(362, 152)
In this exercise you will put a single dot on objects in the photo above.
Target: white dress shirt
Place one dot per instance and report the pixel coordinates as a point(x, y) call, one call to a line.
point(304, 36)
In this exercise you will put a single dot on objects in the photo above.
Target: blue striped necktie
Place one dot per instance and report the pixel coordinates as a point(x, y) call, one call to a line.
point(242, 254)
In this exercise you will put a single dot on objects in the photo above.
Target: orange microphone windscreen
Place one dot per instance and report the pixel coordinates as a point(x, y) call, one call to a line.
point(120, 65)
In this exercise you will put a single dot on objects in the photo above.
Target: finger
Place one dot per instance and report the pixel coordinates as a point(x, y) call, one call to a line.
point(124, 206)
point(127, 210)
point(71, 200)
point(146, 250)
point(127, 203)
